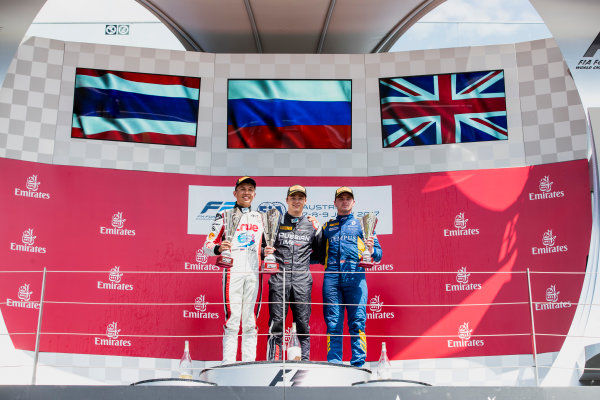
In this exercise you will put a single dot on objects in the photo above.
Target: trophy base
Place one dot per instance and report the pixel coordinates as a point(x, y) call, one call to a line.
point(224, 262)
point(366, 264)
point(270, 267)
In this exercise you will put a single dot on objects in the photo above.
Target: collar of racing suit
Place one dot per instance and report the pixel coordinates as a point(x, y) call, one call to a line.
point(242, 209)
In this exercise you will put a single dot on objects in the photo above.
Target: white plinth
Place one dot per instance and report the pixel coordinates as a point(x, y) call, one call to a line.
point(172, 382)
point(290, 373)
point(389, 382)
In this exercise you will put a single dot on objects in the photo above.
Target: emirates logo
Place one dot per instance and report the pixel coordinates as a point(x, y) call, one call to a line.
point(547, 239)
point(200, 303)
point(552, 294)
point(464, 333)
point(545, 184)
point(462, 276)
point(28, 238)
point(112, 331)
point(25, 293)
point(117, 220)
point(375, 305)
point(460, 222)
point(201, 257)
point(32, 183)
point(115, 275)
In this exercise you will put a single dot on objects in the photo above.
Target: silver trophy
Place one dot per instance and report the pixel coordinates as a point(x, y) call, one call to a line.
point(270, 221)
point(231, 219)
point(367, 223)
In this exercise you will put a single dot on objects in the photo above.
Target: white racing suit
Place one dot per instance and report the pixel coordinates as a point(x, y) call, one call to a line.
point(241, 283)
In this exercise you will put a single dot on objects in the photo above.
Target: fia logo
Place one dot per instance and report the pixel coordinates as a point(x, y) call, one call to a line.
point(547, 239)
point(32, 183)
point(201, 257)
point(462, 276)
point(117, 220)
point(112, 331)
point(115, 275)
point(266, 206)
point(552, 294)
point(460, 222)
point(24, 293)
point(545, 184)
point(27, 238)
point(200, 303)
point(464, 333)
point(375, 305)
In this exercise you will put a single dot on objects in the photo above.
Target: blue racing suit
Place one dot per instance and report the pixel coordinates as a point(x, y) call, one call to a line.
point(345, 287)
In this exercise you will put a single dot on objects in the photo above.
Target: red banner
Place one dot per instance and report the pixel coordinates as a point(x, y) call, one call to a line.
point(126, 278)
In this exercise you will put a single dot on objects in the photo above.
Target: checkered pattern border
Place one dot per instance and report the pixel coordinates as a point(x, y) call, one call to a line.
point(284, 162)
point(449, 157)
point(553, 118)
point(29, 101)
point(135, 156)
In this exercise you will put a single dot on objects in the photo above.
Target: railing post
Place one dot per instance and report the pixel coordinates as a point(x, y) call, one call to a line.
point(39, 328)
point(535, 364)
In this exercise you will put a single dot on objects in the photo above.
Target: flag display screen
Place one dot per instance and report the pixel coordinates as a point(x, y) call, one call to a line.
point(289, 114)
point(441, 109)
point(135, 107)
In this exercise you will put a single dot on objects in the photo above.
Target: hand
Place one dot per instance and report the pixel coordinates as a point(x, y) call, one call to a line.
point(269, 250)
point(225, 245)
point(314, 221)
point(370, 244)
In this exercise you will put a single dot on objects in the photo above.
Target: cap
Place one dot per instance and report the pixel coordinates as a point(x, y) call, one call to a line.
point(343, 189)
point(296, 189)
point(245, 179)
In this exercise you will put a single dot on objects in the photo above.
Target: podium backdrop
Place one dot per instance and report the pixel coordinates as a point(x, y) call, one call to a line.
point(126, 275)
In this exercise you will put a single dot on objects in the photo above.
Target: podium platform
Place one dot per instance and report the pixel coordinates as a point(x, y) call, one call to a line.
point(172, 382)
point(288, 373)
point(389, 383)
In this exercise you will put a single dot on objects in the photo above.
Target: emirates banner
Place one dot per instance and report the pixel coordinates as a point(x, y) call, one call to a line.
point(127, 276)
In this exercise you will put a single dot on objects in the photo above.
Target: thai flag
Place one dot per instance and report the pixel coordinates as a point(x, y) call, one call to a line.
point(439, 109)
point(291, 114)
point(135, 107)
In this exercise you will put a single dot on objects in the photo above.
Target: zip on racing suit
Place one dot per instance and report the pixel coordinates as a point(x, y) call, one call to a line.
point(241, 283)
point(345, 287)
point(296, 240)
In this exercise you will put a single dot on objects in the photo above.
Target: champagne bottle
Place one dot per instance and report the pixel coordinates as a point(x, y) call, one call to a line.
point(384, 368)
point(293, 351)
point(185, 365)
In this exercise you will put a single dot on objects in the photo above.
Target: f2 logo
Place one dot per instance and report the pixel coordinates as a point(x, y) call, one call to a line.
point(594, 47)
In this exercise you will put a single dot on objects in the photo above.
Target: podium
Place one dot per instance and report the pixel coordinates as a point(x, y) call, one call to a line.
point(288, 373)
point(172, 382)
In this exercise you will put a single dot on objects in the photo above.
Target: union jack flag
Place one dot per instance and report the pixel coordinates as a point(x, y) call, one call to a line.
point(439, 109)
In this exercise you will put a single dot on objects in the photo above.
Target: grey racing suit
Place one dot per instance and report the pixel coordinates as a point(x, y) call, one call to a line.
point(241, 283)
point(296, 240)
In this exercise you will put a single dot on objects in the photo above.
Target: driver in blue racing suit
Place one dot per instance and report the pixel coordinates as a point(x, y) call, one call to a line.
point(344, 283)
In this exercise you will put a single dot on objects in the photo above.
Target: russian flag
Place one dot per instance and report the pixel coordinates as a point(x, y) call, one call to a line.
point(289, 114)
point(135, 107)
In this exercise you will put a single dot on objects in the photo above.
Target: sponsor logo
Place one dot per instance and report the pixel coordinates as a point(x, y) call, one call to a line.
point(201, 263)
point(28, 240)
point(24, 296)
point(112, 337)
point(546, 191)
point(31, 186)
point(382, 267)
point(212, 207)
point(464, 336)
point(549, 243)
point(200, 310)
point(460, 223)
point(114, 281)
point(118, 224)
point(552, 302)
point(266, 206)
point(462, 278)
point(588, 61)
point(376, 310)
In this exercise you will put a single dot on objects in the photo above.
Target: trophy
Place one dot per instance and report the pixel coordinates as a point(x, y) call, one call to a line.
point(367, 223)
point(270, 221)
point(231, 219)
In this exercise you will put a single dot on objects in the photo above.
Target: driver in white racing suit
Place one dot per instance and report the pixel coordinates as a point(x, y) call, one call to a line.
point(241, 283)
